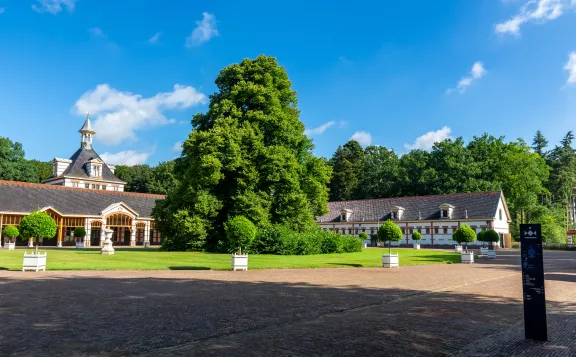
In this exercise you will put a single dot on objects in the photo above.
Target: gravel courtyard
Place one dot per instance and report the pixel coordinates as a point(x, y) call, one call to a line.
point(431, 310)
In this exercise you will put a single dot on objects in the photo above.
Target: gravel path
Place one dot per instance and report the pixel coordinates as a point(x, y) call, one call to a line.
point(432, 310)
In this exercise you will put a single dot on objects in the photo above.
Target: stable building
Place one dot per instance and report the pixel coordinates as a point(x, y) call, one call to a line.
point(82, 192)
point(128, 214)
point(435, 217)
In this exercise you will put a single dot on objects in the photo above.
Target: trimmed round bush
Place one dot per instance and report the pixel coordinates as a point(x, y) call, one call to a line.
point(38, 225)
point(11, 232)
point(79, 232)
point(490, 236)
point(364, 236)
point(352, 244)
point(389, 232)
point(416, 235)
point(240, 232)
point(480, 236)
point(464, 234)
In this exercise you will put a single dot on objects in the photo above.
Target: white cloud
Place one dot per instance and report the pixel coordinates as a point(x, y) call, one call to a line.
point(319, 130)
point(177, 147)
point(128, 158)
point(345, 60)
point(204, 31)
point(120, 114)
point(571, 67)
point(427, 140)
point(54, 6)
point(538, 11)
point(476, 73)
point(154, 39)
point(96, 32)
point(364, 138)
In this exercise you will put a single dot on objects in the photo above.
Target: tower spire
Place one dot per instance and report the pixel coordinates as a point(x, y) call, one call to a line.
point(87, 133)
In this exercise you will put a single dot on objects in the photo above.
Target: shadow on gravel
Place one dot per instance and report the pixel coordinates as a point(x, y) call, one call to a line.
point(189, 268)
point(115, 317)
point(353, 265)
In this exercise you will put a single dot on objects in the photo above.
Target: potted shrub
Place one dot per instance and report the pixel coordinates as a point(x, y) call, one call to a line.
point(492, 237)
point(416, 236)
point(390, 232)
point(364, 238)
point(11, 232)
point(37, 225)
point(240, 233)
point(480, 237)
point(465, 234)
point(80, 232)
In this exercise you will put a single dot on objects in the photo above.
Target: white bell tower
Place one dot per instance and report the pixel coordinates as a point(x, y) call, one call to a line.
point(87, 133)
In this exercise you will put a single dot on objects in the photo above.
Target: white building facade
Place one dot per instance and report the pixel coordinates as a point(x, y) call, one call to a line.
point(435, 217)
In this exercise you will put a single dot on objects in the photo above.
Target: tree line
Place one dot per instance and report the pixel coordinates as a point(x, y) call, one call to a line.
point(538, 184)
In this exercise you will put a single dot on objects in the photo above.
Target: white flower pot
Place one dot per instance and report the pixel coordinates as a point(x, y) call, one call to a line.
point(492, 254)
point(34, 262)
point(458, 248)
point(390, 260)
point(484, 251)
point(80, 245)
point(239, 262)
point(416, 245)
point(10, 246)
point(467, 258)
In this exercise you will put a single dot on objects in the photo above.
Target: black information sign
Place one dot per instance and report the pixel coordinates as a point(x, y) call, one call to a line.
point(533, 282)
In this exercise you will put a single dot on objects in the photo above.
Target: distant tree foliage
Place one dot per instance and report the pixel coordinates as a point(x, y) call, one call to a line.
point(347, 171)
point(143, 178)
point(13, 165)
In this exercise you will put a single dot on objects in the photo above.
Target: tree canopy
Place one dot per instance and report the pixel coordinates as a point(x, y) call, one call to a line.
point(464, 234)
point(246, 156)
point(38, 225)
point(416, 235)
point(11, 232)
point(389, 232)
point(13, 165)
point(240, 232)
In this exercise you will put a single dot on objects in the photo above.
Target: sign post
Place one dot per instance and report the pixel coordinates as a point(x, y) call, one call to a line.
point(535, 326)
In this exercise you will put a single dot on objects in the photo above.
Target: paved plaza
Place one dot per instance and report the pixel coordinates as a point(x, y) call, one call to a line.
point(428, 310)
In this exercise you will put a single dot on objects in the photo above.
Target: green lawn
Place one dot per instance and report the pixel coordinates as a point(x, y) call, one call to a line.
point(152, 259)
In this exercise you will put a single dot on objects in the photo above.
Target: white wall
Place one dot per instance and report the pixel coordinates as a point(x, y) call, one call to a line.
point(440, 238)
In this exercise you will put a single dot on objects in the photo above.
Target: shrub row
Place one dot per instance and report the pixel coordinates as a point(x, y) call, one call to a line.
point(277, 239)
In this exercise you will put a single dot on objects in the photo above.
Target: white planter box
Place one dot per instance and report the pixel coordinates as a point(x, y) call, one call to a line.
point(492, 254)
point(467, 258)
point(416, 245)
point(34, 262)
point(390, 260)
point(458, 248)
point(484, 251)
point(10, 246)
point(80, 245)
point(239, 262)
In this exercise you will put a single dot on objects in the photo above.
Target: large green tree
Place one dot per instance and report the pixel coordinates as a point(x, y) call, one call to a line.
point(539, 143)
point(137, 177)
point(347, 164)
point(43, 169)
point(13, 165)
point(246, 156)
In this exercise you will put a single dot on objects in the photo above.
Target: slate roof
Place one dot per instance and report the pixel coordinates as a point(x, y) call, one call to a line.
point(22, 197)
point(480, 205)
point(78, 166)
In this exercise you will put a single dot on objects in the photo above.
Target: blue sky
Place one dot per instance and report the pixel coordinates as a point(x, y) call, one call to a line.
point(397, 74)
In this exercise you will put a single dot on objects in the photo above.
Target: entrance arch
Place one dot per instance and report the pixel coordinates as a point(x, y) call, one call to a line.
point(121, 224)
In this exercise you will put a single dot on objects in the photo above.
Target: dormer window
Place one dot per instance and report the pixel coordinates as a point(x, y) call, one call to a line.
point(397, 212)
point(345, 214)
point(94, 168)
point(446, 211)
